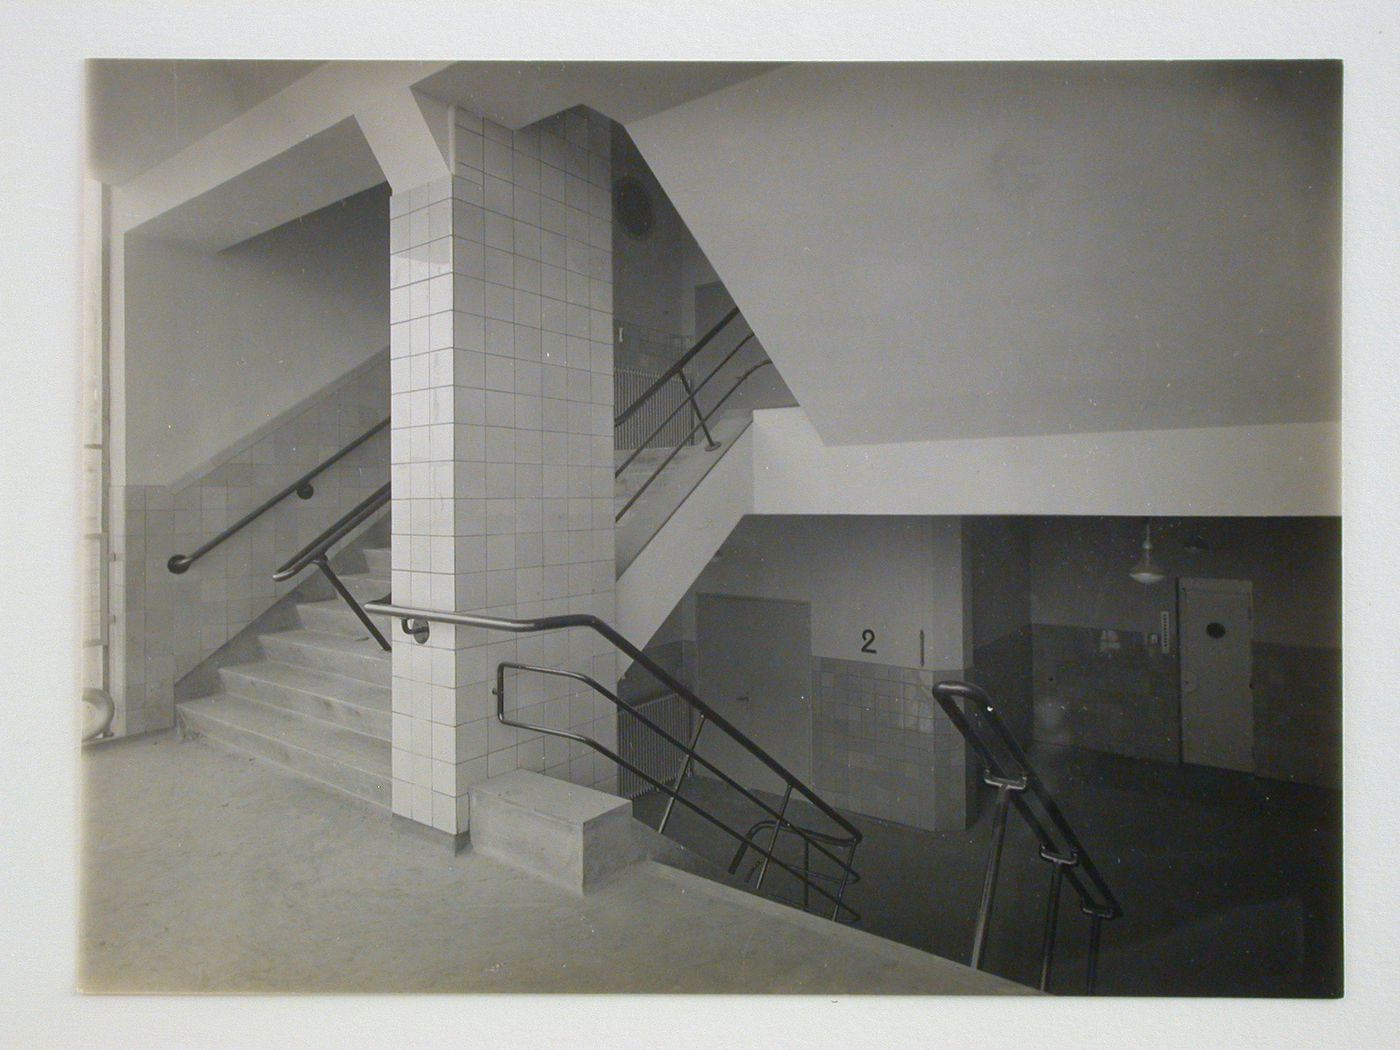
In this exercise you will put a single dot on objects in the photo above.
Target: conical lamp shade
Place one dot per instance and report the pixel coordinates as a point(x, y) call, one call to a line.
point(1144, 571)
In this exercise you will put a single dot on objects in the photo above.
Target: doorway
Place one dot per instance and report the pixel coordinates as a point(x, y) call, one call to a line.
point(753, 660)
point(1217, 703)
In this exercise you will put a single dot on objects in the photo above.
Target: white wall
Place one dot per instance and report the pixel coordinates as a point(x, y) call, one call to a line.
point(1289, 469)
point(892, 575)
point(965, 249)
point(647, 286)
point(217, 345)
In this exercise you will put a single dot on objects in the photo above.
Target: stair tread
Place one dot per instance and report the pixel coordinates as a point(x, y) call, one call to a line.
point(337, 603)
point(343, 746)
point(359, 647)
point(341, 688)
point(365, 578)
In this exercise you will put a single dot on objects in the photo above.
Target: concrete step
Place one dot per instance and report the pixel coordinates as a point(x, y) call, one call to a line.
point(646, 459)
point(366, 587)
point(332, 755)
point(328, 697)
point(573, 836)
point(636, 475)
point(333, 616)
point(350, 657)
point(378, 560)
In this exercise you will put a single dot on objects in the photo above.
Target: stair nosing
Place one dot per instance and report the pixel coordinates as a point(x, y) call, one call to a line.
point(335, 729)
point(248, 670)
point(301, 774)
point(298, 637)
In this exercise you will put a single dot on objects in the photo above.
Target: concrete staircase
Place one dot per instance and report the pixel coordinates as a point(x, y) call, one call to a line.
point(318, 703)
point(665, 495)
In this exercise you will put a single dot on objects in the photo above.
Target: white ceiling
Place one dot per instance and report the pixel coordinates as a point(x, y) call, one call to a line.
point(516, 94)
point(929, 250)
point(963, 250)
point(316, 172)
point(142, 111)
point(145, 112)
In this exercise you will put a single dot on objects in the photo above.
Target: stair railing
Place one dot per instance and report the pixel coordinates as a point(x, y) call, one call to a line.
point(180, 563)
point(317, 553)
point(675, 369)
point(700, 417)
point(1010, 772)
point(849, 878)
point(415, 623)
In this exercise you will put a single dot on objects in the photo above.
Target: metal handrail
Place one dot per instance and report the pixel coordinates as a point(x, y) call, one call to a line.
point(317, 553)
point(849, 876)
point(803, 875)
point(608, 632)
point(689, 402)
point(666, 376)
point(1067, 855)
point(415, 622)
point(180, 563)
point(675, 451)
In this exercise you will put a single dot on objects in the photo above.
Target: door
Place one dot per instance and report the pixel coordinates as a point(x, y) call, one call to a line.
point(1217, 705)
point(754, 668)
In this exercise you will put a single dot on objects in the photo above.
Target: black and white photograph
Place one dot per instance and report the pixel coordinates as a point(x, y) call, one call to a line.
point(697, 532)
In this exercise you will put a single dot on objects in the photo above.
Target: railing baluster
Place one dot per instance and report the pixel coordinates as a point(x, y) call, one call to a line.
point(673, 453)
point(1091, 978)
point(807, 867)
point(773, 842)
point(710, 443)
point(325, 566)
point(680, 777)
point(1058, 863)
point(665, 376)
point(683, 402)
point(1005, 786)
point(845, 878)
point(971, 711)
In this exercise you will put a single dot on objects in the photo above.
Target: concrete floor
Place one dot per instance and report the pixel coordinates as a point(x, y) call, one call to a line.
point(1231, 885)
point(206, 872)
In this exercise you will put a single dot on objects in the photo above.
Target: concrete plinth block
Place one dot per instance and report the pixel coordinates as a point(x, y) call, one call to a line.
point(572, 836)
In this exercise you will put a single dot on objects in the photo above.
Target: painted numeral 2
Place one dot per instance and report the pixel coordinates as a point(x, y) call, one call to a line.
point(868, 637)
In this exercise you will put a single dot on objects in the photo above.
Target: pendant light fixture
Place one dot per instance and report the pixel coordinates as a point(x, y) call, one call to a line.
point(1145, 571)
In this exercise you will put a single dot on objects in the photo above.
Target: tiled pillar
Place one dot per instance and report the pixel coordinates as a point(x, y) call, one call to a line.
point(501, 380)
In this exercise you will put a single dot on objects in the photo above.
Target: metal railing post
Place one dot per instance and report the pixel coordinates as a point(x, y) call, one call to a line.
point(1091, 976)
point(1005, 786)
point(710, 443)
point(773, 842)
point(845, 880)
point(325, 566)
point(680, 777)
point(806, 867)
point(1058, 863)
point(676, 451)
point(974, 716)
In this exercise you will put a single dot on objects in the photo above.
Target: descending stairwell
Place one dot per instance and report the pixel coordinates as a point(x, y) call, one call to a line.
point(318, 703)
